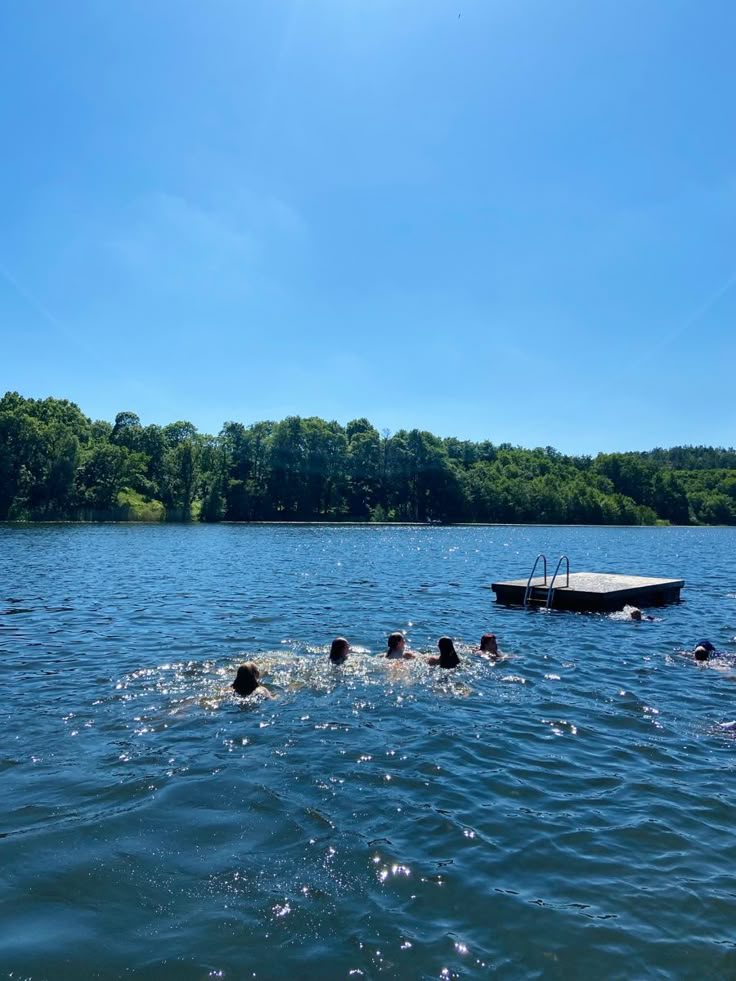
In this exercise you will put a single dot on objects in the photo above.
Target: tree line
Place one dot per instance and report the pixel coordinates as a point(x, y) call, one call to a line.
point(57, 464)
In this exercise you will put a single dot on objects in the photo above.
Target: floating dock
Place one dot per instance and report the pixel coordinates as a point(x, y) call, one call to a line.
point(598, 592)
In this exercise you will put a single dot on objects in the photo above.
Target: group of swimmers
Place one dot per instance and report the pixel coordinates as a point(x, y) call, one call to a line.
point(247, 680)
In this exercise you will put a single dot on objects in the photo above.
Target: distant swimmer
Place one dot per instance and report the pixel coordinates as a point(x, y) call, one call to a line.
point(247, 681)
point(488, 646)
point(636, 614)
point(448, 655)
point(339, 650)
point(397, 648)
point(703, 650)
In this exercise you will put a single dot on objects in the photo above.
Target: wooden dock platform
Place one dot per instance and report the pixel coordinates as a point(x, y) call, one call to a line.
point(599, 592)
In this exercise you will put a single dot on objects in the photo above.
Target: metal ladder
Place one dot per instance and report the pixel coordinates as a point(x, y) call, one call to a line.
point(551, 590)
point(528, 593)
point(544, 594)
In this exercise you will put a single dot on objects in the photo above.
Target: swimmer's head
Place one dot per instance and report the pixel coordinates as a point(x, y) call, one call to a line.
point(635, 614)
point(702, 650)
point(339, 649)
point(489, 644)
point(448, 654)
point(247, 678)
point(395, 641)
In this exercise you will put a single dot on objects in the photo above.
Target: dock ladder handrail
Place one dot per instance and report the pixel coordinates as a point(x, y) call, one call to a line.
point(550, 591)
point(529, 587)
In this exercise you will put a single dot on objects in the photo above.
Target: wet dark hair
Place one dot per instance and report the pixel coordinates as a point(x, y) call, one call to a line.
point(484, 640)
point(394, 640)
point(246, 680)
point(701, 653)
point(339, 649)
point(448, 654)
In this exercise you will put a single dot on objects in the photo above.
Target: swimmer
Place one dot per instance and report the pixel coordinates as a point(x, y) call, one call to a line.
point(339, 650)
point(703, 650)
point(636, 614)
point(488, 646)
point(397, 648)
point(448, 655)
point(247, 681)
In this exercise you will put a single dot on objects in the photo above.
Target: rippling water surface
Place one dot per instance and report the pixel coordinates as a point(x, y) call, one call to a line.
point(566, 812)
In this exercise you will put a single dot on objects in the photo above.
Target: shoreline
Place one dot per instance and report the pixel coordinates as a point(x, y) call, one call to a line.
point(349, 524)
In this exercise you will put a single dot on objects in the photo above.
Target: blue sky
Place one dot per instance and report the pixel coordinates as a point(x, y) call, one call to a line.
point(493, 219)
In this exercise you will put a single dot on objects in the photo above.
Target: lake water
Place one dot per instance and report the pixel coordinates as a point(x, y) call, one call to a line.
point(564, 813)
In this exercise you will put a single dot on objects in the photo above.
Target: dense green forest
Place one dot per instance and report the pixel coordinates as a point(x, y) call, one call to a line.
point(55, 463)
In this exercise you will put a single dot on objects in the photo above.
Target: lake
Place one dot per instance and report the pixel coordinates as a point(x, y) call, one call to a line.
point(566, 812)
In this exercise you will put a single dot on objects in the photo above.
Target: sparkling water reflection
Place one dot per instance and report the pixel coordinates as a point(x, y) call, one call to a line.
point(563, 812)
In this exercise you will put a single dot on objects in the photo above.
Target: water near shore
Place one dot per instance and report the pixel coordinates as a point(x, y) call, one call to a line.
point(564, 813)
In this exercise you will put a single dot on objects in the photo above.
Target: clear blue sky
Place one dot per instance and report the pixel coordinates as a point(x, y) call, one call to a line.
point(494, 219)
